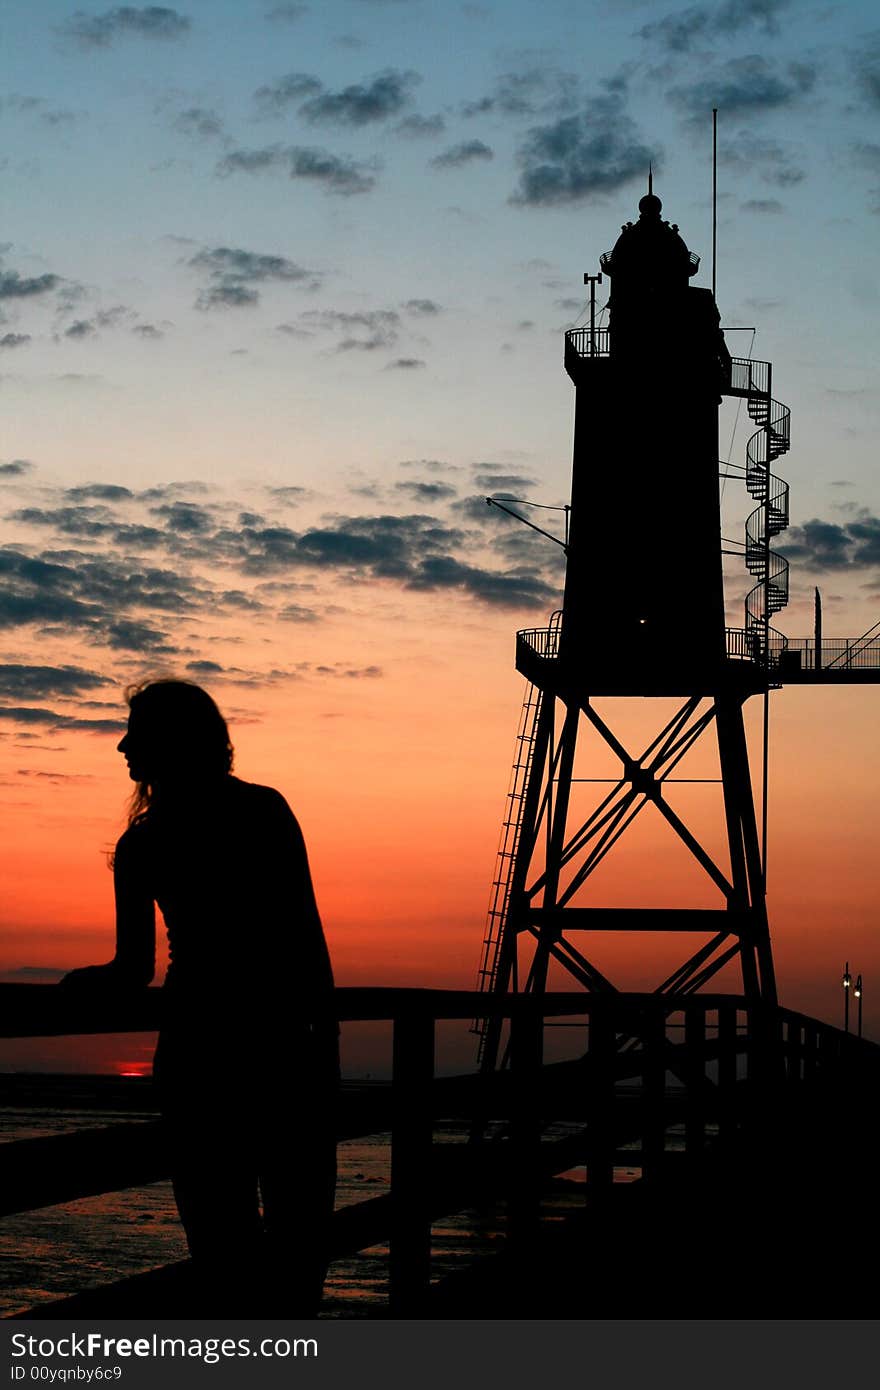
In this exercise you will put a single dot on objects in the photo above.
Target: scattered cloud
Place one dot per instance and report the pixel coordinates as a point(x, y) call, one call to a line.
point(405, 364)
point(497, 482)
point(233, 272)
point(14, 340)
point(363, 331)
point(744, 86)
point(286, 14)
point(105, 492)
point(15, 286)
point(577, 157)
point(102, 30)
point(746, 152)
point(426, 493)
point(532, 91)
point(867, 65)
point(416, 127)
point(680, 31)
point(465, 153)
point(362, 103)
point(37, 106)
point(25, 714)
point(15, 468)
point(200, 122)
point(42, 682)
point(764, 205)
point(80, 328)
point(275, 97)
point(826, 545)
point(422, 308)
point(298, 613)
point(337, 173)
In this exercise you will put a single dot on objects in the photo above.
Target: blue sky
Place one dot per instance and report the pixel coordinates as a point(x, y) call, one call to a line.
point(269, 246)
point(282, 296)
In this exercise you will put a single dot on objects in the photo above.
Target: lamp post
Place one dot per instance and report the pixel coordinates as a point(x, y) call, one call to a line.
point(847, 985)
point(858, 994)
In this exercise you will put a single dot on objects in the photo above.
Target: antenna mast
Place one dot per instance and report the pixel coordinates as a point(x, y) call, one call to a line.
point(714, 194)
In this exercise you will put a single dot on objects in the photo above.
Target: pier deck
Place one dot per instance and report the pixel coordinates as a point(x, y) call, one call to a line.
point(746, 1128)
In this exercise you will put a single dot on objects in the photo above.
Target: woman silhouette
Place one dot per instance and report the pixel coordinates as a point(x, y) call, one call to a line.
point(247, 1060)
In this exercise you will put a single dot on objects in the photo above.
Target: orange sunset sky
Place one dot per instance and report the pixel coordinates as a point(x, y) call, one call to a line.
point(303, 312)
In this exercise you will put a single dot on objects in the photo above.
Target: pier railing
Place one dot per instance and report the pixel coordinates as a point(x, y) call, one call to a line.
point(654, 1081)
point(783, 655)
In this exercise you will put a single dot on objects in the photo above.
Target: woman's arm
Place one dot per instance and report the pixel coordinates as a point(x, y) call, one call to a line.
point(134, 963)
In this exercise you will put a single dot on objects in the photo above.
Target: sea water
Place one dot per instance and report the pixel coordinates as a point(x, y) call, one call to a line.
point(64, 1249)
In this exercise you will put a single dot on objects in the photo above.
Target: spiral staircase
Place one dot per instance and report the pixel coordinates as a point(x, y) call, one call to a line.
point(752, 380)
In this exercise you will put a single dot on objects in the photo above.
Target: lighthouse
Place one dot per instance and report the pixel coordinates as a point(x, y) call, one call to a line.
point(643, 618)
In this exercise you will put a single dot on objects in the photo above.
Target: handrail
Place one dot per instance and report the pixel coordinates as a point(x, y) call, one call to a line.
point(698, 1037)
point(869, 640)
point(587, 342)
point(772, 439)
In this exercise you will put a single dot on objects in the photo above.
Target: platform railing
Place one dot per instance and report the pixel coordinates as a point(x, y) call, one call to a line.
point(699, 1061)
point(587, 342)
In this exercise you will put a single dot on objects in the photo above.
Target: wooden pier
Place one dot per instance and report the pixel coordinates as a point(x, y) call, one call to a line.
point(747, 1127)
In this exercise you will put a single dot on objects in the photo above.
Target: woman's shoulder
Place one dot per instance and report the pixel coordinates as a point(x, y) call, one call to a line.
point(254, 797)
point(134, 841)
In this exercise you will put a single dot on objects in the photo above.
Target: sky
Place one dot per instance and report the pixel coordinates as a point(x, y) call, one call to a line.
point(283, 290)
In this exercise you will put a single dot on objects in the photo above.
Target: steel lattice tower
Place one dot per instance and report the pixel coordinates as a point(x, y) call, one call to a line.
point(643, 616)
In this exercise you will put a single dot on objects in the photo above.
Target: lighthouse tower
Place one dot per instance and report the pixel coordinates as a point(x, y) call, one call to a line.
point(643, 617)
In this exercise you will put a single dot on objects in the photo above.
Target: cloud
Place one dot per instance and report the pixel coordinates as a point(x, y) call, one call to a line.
point(227, 296)
point(422, 308)
point(418, 127)
point(204, 668)
point(405, 364)
point(746, 152)
point(15, 286)
point(87, 593)
point(14, 340)
point(102, 30)
point(465, 153)
point(744, 86)
point(42, 682)
point(23, 714)
point(765, 205)
point(81, 328)
point(416, 551)
point(530, 92)
point(105, 492)
point(233, 272)
point(286, 14)
point(199, 121)
point(426, 492)
point(274, 98)
point(290, 495)
point(578, 157)
point(826, 545)
point(296, 613)
point(511, 590)
point(337, 173)
point(362, 103)
point(148, 331)
point(678, 32)
point(867, 65)
point(509, 482)
point(187, 518)
point(364, 331)
point(15, 468)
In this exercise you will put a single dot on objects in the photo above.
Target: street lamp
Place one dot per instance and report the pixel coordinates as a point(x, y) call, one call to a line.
point(847, 985)
point(858, 994)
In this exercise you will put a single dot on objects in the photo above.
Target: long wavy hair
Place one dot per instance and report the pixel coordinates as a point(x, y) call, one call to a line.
point(185, 722)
